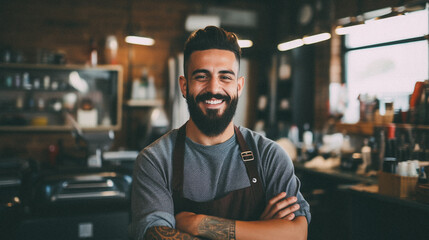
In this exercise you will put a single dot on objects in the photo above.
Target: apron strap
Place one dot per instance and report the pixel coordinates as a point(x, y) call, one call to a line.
point(178, 160)
point(250, 164)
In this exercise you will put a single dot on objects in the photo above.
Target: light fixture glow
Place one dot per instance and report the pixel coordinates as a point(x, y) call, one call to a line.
point(373, 15)
point(195, 22)
point(349, 24)
point(343, 30)
point(290, 45)
point(244, 43)
point(316, 38)
point(140, 40)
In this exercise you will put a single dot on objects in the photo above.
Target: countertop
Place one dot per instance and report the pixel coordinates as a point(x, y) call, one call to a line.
point(360, 185)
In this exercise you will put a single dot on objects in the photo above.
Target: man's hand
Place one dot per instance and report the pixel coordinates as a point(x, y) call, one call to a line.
point(280, 207)
point(188, 222)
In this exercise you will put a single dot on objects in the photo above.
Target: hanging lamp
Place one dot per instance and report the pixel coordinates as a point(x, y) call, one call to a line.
point(133, 36)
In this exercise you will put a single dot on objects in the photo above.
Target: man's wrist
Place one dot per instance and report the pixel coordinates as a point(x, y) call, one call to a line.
point(216, 228)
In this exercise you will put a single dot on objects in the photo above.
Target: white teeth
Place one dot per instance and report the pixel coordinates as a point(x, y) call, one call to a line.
point(213, 101)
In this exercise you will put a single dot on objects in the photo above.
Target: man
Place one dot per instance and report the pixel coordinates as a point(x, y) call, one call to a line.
point(210, 179)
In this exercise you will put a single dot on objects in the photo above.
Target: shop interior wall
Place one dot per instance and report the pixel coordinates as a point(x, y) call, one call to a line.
point(30, 27)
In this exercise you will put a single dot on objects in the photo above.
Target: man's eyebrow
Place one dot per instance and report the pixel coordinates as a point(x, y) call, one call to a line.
point(200, 71)
point(208, 72)
point(227, 72)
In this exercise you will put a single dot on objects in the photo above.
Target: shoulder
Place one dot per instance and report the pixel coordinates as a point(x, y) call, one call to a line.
point(251, 135)
point(260, 142)
point(160, 149)
point(166, 140)
point(269, 152)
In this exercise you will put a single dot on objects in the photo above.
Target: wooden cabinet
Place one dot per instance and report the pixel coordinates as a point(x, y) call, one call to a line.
point(53, 97)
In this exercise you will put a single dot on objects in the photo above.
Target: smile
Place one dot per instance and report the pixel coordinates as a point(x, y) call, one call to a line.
point(215, 101)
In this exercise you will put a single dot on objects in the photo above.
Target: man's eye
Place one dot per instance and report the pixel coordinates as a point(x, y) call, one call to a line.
point(226, 77)
point(200, 77)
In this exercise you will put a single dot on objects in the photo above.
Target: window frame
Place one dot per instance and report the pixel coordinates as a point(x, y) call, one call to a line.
point(345, 50)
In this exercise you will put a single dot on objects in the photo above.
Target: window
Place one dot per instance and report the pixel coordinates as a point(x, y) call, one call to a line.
point(384, 59)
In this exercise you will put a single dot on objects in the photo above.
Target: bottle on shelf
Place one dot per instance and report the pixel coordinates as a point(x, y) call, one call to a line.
point(93, 53)
point(366, 157)
point(41, 104)
point(26, 81)
point(390, 156)
point(151, 89)
point(403, 148)
point(143, 87)
point(375, 152)
point(415, 102)
point(9, 81)
point(426, 103)
point(111, 50)
point(36, 83)
point(46, 82)
point(19, 103)
point(54, 85)
point(417, 153)
point(31, 104)
point(423, 177)
point(144, 80)
point(18, 81)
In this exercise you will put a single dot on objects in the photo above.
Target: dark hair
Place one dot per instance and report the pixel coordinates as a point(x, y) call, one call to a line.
point(211, 37)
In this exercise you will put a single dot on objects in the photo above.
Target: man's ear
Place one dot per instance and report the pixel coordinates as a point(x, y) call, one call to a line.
point(240, 85)
point(183, 85)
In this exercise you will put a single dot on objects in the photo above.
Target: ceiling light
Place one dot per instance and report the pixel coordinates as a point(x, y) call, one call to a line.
point(353, 24)
point(195, 22)
point(245, 43)
point(290, 45)
point(132, 36)
point(146, 41)
point(316, 38)
point(343, 30)
point(374, 15)
point(349, 28)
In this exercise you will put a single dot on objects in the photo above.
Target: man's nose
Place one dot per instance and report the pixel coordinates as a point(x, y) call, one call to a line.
point(213, 85)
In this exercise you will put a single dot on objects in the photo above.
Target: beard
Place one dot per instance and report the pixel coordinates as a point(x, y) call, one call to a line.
point(211, 123)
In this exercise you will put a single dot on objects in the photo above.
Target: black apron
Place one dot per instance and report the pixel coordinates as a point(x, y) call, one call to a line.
point(242, 204)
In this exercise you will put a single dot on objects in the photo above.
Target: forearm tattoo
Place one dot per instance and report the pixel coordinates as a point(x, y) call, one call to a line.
point(217, 228)
point(166, 233)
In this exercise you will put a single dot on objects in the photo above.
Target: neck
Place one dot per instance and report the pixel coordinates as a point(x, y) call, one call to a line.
point(194, 133)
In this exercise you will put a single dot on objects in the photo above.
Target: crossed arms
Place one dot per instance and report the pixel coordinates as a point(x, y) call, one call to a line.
point(276, 222)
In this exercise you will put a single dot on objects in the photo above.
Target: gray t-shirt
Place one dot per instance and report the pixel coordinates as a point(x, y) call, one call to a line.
point(209, 172)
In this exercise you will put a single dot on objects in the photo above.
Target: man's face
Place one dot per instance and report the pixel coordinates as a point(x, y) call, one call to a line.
point(212, 89)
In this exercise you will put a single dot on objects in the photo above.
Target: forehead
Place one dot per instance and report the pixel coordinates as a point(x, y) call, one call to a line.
point(213, 58)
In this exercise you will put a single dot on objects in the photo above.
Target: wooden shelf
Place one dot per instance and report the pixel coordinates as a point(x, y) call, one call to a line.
point(361, 128)
point(144, 103)
point(367, 128)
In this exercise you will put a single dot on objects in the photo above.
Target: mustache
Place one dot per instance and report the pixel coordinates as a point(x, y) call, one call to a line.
point(208, 95)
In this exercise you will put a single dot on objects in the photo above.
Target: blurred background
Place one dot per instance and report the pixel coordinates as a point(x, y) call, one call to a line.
point(86, 85)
